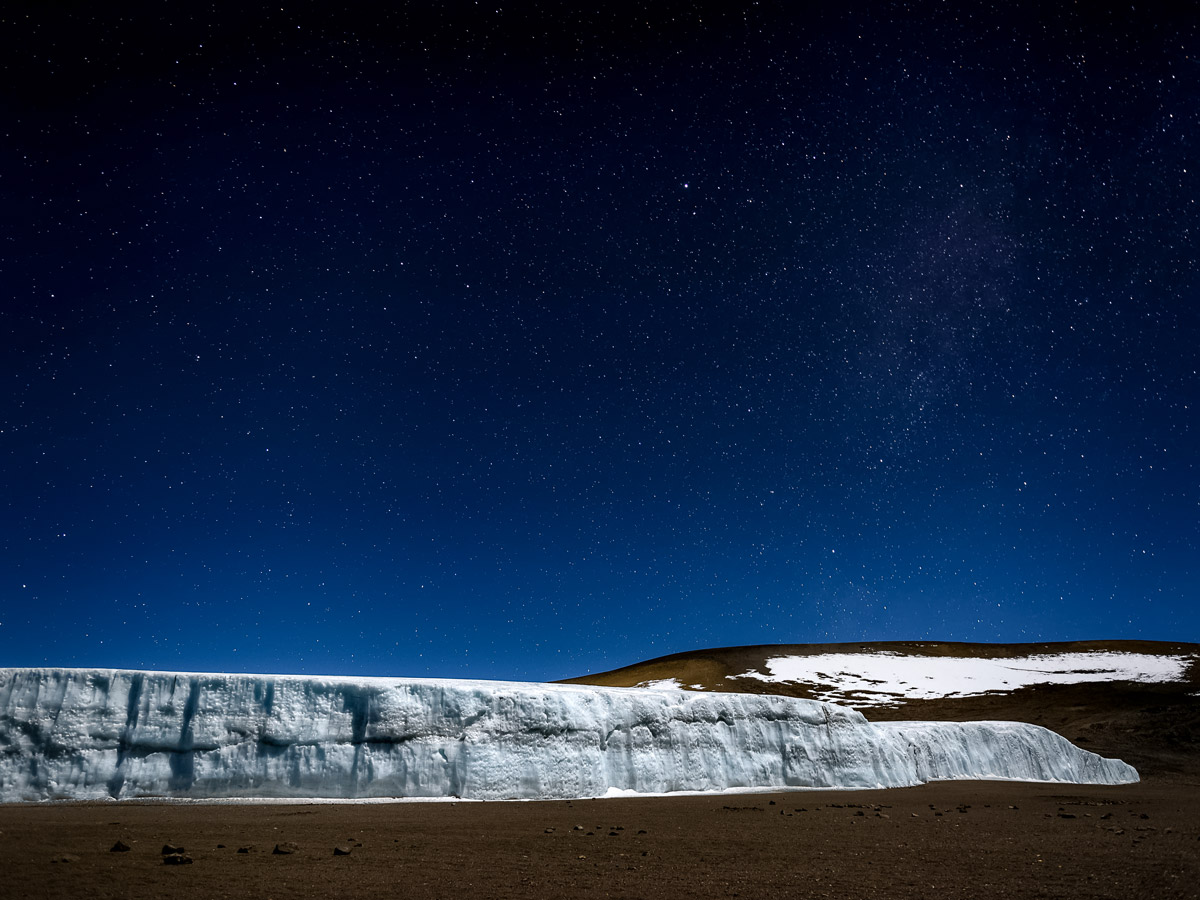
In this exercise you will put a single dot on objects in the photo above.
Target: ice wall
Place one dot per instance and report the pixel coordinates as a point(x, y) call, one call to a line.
point(84, 734)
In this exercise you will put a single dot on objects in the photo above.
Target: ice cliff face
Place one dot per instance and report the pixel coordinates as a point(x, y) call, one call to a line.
point(84, 734)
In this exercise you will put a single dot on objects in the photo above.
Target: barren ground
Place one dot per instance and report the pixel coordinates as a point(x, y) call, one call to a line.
point(977, 840)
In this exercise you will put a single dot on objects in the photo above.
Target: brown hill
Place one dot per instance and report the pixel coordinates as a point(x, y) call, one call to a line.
point(1154, 725)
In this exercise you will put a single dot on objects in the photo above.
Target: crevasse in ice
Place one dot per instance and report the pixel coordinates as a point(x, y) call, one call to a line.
point(88, 734)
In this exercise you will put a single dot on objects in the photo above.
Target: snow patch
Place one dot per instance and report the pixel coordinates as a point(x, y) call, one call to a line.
point(662, 684)
point(883, 679)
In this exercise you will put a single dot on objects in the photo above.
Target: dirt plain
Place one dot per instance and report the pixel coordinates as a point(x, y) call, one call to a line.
point(959, 839)
point(976, 839)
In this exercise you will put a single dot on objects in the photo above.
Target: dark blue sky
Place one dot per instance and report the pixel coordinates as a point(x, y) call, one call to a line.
point(517, 342)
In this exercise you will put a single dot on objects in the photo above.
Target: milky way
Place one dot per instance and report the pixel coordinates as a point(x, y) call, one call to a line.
point(515, 343)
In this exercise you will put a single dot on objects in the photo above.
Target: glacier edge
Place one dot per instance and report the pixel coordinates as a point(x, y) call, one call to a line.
point(94, 733)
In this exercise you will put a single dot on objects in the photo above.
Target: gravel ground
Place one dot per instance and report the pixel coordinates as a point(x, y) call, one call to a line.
point(967, 839)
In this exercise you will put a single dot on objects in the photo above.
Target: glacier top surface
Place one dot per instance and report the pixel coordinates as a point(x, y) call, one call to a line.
point(379, 681)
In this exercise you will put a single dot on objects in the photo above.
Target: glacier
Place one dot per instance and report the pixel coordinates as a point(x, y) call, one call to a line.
point(84, 734)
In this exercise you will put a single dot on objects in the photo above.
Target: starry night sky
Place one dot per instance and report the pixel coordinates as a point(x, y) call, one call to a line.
point(506, 341)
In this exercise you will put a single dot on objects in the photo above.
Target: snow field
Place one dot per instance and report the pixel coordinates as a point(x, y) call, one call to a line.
point(881, 679)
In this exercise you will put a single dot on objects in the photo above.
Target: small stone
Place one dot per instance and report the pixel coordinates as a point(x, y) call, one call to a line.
point(577, 828)
point(285, 849)
point(169, 849)
point(245, 849)
point(220, 846)
point(120, 847)
point(549, 831)
point(1066, 815)
point(65, 858)
point(341, 851)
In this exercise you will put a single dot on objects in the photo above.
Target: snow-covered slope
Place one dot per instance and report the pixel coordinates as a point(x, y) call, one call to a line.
point(881, 679)
point(70, 733)
point(930, 676)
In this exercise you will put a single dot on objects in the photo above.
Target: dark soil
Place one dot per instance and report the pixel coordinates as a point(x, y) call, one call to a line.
point(971, 840)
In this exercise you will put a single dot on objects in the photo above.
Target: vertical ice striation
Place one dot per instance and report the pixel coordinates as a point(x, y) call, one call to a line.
point(80, 734)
